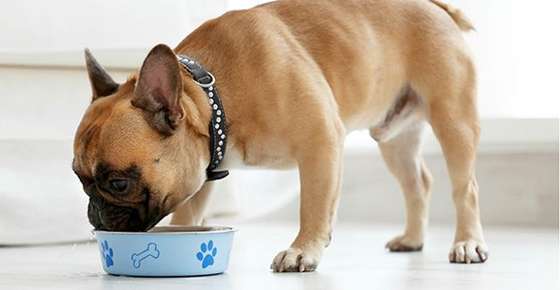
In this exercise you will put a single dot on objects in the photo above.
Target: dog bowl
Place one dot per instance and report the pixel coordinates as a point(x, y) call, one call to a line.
point(166, 251)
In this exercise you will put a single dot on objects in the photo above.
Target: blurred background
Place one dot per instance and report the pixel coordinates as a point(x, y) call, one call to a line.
point(44, 91)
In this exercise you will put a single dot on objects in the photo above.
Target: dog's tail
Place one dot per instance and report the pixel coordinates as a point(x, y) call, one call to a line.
point(457, 15)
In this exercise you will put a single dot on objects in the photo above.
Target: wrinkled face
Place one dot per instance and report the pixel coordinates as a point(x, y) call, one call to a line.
point(134, 157)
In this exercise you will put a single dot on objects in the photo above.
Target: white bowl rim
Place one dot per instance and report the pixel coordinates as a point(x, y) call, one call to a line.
point(175, 230)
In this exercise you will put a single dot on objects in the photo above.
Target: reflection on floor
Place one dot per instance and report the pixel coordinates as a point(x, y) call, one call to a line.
point(519, 259)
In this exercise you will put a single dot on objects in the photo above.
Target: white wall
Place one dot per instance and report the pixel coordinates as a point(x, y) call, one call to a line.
point(65, 25)
point(43, 103)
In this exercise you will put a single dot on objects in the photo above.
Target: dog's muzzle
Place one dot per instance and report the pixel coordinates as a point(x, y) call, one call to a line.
point(108, 217)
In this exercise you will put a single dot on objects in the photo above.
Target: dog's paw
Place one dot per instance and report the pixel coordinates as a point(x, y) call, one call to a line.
point(296, 260)
point(469, 251)
point(404, 243)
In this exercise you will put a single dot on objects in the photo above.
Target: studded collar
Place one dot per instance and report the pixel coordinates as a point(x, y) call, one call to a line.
point(217, 127)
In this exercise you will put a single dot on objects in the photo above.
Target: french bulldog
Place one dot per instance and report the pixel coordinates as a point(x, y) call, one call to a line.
point(294, 77)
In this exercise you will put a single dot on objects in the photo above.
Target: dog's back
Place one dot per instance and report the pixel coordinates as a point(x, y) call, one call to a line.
point(347, 42)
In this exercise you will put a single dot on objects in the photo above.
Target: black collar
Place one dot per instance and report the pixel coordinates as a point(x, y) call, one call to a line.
point(217, 127)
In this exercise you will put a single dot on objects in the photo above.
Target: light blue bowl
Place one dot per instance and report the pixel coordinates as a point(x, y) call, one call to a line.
point(166, 251)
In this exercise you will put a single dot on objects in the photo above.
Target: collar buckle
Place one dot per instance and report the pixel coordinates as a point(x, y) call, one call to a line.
point(206, 81)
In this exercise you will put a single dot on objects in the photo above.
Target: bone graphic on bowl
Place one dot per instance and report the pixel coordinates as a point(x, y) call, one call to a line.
point(150, 251)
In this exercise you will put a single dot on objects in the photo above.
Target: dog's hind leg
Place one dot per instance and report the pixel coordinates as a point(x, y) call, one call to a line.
point(402, 156)
point(448, 87)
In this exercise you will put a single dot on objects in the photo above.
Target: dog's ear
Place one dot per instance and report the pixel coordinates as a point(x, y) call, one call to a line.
point(158, 90)
point(101, 82)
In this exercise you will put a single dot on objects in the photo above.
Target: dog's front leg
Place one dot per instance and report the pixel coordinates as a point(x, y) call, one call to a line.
point(191, 212)
point(320, 181)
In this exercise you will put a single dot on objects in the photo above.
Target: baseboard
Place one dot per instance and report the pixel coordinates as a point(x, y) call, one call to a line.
point(516, 189)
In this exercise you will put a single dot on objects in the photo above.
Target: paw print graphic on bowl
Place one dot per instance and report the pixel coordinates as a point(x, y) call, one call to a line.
point(207, 254)
point(107, 253)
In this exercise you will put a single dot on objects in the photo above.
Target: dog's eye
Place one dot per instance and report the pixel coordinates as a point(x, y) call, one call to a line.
point(118, 185)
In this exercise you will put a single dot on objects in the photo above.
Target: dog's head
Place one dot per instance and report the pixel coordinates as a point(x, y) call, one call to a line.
point(141, 148)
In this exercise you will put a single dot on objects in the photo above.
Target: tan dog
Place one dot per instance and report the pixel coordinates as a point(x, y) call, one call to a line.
point(295, 77)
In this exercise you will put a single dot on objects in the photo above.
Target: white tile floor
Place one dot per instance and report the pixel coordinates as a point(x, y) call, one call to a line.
point(519, 259)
